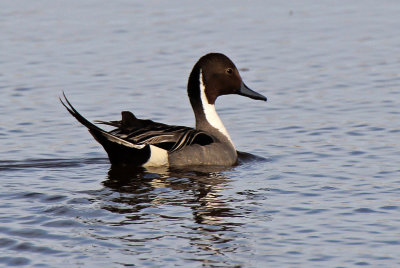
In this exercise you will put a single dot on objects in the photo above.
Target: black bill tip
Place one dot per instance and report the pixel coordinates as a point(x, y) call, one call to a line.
point(245, 91)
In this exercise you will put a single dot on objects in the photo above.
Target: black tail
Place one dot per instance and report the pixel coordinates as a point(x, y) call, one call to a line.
point(119, 150)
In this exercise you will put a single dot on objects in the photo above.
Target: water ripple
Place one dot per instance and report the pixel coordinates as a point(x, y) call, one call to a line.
point(318, 186)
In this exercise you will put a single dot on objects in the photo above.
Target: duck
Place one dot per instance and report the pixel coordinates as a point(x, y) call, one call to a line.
point(143, 142)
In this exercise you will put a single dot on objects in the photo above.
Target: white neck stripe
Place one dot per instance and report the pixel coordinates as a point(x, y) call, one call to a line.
point(210, 112)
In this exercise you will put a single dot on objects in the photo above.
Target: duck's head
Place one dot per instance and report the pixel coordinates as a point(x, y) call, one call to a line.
point(215, 75)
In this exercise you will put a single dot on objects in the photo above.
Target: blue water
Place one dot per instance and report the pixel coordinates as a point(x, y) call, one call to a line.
point(321, 189)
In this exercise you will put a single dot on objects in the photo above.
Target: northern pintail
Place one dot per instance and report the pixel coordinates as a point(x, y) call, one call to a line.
point(147, 143)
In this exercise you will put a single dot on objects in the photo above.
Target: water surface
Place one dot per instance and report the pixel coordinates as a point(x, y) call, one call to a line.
point(323, 191)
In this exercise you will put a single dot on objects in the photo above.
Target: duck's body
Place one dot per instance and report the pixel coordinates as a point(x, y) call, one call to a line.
point(147, 143)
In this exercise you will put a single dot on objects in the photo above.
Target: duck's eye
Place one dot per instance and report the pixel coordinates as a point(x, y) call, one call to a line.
point(229, 71)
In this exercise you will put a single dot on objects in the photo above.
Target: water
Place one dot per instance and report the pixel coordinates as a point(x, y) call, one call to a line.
point(323, 191)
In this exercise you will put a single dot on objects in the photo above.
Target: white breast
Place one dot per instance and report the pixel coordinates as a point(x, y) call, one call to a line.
point(210, 112)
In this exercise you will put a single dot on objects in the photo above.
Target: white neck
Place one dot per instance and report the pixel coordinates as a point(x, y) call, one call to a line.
point(210, 112)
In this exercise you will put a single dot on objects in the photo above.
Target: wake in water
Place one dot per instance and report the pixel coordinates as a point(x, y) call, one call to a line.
point(49, 163)
point(59, 162)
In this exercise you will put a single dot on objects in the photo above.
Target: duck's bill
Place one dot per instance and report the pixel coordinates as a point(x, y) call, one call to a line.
point(245, 91)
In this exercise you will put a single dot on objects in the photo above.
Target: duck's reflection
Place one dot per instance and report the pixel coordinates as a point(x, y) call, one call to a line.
point(199, 189)
point(195, 210)
point(193, 206)
point(210, 228)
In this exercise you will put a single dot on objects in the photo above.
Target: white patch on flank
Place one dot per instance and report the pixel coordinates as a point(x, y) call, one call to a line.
point(210, 112)
point(158, 157)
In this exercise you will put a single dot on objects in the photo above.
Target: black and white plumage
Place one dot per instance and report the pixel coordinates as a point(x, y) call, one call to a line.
point(147, 143)
point(167, 137)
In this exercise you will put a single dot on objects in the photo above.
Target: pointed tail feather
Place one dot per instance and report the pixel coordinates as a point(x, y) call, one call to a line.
point(119, 151)
point(78, 116)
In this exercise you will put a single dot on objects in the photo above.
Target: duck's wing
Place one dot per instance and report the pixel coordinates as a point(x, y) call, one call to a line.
point(167, 137)
point(131, 140)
